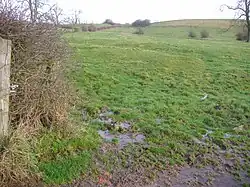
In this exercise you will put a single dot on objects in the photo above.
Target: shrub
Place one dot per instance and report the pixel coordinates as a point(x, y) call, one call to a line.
point(241, 36)
point(141, 23)
point(66, 26)
point(39, 58)
point(76, 29)
point(204, 34)
point(192, 34)
point(85, 28)
point(109, 21)
point(139, 31)
point(92, 28)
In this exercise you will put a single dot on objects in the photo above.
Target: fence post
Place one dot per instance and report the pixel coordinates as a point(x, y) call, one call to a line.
point(5, 58)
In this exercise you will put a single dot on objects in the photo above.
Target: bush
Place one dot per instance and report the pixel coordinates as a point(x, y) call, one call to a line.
point(42, 100)
point(192, 34)
point(109, 21)
point(241, 36)
point(204, 34)
point(92, 28)
point(85, 28)
point(76, 29)
point(66, 26)
point(139, 31)
point(141, 23)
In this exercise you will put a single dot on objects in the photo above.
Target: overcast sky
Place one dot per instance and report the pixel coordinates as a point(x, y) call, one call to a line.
point(123, 11)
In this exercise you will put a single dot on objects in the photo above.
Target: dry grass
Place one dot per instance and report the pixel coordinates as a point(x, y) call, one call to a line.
point(39, 57)
point(17, 163)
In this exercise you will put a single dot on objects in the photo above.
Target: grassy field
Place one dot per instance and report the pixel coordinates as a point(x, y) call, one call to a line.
point(157, 81)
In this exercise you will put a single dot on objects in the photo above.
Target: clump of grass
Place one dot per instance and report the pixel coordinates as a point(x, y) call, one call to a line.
point(66, 169)
point(63, 158)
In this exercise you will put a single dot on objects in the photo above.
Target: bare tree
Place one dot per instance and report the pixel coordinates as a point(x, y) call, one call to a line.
point(242, 10)
point(34, 7)
point(76, 16)
point(57, 13)
point(41, 11)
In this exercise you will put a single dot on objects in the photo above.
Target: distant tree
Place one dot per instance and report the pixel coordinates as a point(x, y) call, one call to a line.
point(75, 19)
point(141, 23)
point(57, 13)
point(204, 34)
point(242, 10)
point(109, 21)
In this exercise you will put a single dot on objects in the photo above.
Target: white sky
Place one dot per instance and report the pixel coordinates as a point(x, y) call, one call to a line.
point(123, 11)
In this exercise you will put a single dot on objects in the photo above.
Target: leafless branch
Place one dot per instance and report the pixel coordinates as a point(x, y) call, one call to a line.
point(242, 10)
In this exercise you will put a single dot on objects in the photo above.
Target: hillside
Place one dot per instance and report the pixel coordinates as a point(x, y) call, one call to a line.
point(210, 23)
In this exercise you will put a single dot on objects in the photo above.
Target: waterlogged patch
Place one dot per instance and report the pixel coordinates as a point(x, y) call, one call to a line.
point(122, 139)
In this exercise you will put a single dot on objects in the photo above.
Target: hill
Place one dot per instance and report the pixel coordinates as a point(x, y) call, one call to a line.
point(211, 23)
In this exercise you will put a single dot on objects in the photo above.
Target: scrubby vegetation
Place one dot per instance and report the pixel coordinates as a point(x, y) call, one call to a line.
point(139, 31)
point(192, 34)
point(85, 28)
point(43, 99)
point(241, 36)
point(204, 34)
point(141, 23)
point(92, 28)
point(109, 21)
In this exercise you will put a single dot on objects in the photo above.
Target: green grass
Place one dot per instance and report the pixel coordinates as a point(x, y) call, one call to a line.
point(149, 77)
point(65, 170)
point(64, 158)
point(160, 75)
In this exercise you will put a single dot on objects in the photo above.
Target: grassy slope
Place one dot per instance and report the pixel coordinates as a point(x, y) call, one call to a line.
point(163, 75)
point(209, 23)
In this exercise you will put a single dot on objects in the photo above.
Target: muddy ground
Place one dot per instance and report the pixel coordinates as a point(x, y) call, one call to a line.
point(175, 177)
point(221, 175)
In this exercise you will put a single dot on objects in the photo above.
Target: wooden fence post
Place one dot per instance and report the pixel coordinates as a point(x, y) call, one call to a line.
point(5, 58)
